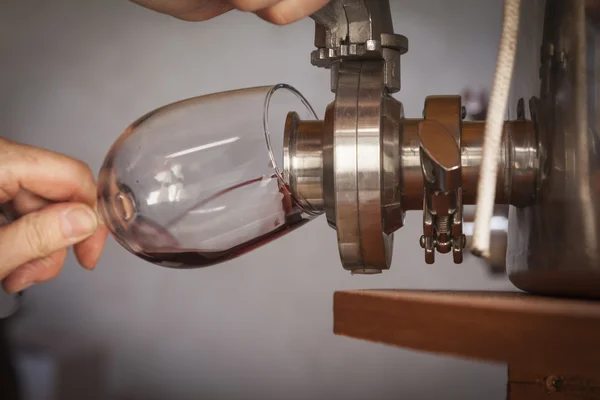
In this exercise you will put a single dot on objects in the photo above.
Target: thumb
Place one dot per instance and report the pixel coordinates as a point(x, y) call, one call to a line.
point(41, 233)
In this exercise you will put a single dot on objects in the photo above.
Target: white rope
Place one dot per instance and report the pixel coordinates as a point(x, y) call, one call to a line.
point(486, 191)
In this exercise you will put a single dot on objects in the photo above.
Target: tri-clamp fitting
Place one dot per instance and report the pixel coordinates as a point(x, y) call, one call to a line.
point(439, 138)
point(365, 165)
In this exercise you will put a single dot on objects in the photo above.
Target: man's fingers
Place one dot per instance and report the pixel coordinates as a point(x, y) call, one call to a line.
point(189, 10)
point(289, 11)
point(88, 252)
point(39, 234)
point(33, 247)
point(280, 12)
point(36, 271)
point(46, 174)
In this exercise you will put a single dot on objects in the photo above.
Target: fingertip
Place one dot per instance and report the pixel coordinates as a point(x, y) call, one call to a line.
point(89, 251)
point(289, 11)
point(274, 16)
point(79, 222)
point(13, 285)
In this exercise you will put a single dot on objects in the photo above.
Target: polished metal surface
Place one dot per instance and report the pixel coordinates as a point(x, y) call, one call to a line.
point(554, 245)
point(410, 165)
point(328, 165)
point(471, 157)
point(375, 244)
point(303, 161)
point(519, 180)
point(356, 159)
point(345, 179)
point(391, 190)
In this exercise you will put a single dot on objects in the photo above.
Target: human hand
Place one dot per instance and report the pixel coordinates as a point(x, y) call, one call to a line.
point(280, 12)
point(53, 198)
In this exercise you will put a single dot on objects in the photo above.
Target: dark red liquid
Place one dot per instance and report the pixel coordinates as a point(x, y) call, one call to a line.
point(195, 259)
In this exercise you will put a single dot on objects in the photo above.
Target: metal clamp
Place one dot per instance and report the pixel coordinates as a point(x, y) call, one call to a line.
point(440, 152)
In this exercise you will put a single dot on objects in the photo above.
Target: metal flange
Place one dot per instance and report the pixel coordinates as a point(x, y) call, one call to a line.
point(356, 158)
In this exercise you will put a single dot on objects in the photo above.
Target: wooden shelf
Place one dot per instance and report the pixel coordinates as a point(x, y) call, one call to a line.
point(530, 333)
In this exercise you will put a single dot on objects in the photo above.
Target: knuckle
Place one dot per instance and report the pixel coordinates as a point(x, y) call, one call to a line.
point(9, 185)
point(37, 236)
point(79, 168)
point(84, 175)
point(87, 172)
point(83, 167)
point(12, 157)
point(48, 268)
point(53, 269)
point(29, 269)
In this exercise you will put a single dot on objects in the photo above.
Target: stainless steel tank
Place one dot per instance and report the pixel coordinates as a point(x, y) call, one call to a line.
point(553, 246)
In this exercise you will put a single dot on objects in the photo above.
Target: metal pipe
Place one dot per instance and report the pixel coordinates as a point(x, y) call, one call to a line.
point(516, 180)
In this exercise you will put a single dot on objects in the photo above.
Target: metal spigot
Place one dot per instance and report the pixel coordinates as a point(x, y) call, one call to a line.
point(365, 164)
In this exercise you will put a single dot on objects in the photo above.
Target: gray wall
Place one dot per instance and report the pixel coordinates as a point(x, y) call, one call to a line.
point(74, 73)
